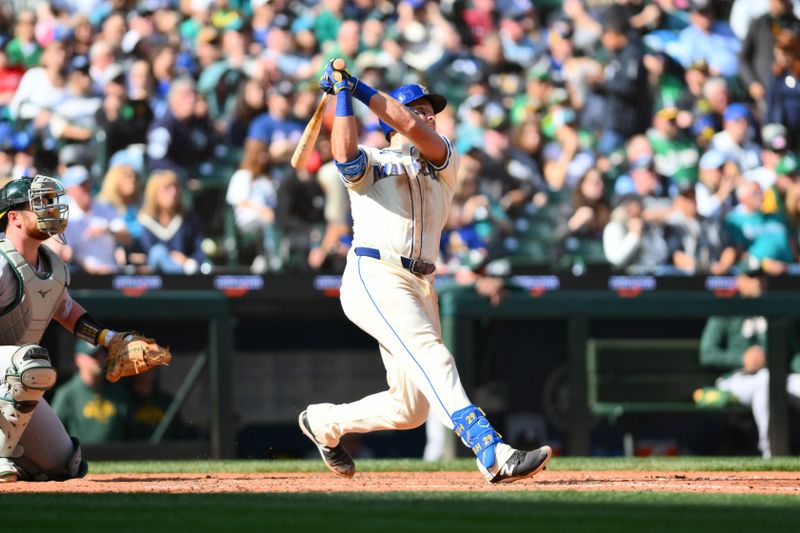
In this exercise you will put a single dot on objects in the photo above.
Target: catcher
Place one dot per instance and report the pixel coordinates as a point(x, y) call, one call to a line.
point(34, 446)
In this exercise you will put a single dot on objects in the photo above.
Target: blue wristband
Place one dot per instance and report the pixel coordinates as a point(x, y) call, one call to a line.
point(362, 92)
point(344, 104)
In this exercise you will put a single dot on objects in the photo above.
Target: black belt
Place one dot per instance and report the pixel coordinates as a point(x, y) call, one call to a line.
point(415, 266)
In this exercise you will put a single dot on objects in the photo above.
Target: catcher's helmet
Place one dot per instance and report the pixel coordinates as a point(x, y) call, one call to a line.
point(410, 93)
point(43, 195)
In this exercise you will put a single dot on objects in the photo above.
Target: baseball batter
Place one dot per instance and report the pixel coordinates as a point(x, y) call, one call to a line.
point(400, 200)
point(34, 446)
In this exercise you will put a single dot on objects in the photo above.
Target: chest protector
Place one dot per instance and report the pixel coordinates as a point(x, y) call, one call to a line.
point(38, 294)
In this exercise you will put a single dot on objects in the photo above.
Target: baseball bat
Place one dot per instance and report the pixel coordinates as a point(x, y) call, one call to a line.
point(309, 138)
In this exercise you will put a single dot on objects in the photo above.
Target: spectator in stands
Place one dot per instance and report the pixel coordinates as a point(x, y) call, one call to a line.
point(774, 145)
point(148, 405)
point(253, 195)
point(564, 161)
point(738, 344)
point(82, 34)
point(92, 233)
point(643, 181)
point(276, 131)
point(219, 82)
point(695, 243)
point(793, 218)
point(760, 241)
point(179, 141)
point(689, 101)
point(589, 211)
point(102, 64)
point(631, 243)
point(92, 409)
point(120, 191)
point(714, 190)
point(707, 39)
point(745, 12)
point(523, 168)
point(675, 153)
point(758, 52)
point(72, 120)
point(42, 88)
point(735, 140)
point(783, 90)
point(124, 118)
point(171, 237)
point(250, 103)
point(165, 72)
point(300, 215)
point(23, 50)
point(623, 86)
point(10, 78)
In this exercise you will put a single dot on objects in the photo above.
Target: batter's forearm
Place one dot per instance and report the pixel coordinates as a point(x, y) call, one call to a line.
point(344, 136)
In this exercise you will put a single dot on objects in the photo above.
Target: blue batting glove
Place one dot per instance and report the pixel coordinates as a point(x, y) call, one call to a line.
point(334, 81)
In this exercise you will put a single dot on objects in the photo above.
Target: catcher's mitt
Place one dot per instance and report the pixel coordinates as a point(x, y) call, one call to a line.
point(131, 353)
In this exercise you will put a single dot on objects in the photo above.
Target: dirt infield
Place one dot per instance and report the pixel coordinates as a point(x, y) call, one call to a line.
point(694, 482)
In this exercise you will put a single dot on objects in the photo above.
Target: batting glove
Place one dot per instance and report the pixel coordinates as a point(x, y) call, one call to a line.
point(333, 81)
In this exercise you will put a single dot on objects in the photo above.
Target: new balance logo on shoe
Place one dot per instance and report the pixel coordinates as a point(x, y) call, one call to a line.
point(523, 465)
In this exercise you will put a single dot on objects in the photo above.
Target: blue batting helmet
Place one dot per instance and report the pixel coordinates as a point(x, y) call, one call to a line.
point(410, 93)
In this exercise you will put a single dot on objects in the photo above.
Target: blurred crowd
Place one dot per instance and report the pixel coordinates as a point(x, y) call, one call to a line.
point(651, 136)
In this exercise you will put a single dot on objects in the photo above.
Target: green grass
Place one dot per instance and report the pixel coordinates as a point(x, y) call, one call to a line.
point(413, 465)
point(463, 512)
point(484, 511)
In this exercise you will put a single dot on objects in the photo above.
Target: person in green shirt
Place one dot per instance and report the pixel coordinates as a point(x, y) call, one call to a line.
point(738, 345)
point(91, 408)
point(675, 154)
point(22, 50)
point(149, 404)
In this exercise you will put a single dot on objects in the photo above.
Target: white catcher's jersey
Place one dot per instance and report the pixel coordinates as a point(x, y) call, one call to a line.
point(402, 202)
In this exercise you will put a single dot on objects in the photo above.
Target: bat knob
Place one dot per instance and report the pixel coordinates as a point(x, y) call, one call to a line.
point(339, 64)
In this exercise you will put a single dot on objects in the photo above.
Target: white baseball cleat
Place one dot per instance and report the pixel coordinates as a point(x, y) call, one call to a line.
point(336, 459)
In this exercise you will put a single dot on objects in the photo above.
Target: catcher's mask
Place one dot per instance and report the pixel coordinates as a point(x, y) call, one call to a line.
point(45, 198)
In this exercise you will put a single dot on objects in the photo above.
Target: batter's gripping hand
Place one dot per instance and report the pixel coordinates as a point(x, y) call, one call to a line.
point(334, 79)
point(130, 353)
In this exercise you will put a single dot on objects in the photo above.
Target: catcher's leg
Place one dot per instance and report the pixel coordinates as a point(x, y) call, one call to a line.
point(50, 454)
point(26, 379)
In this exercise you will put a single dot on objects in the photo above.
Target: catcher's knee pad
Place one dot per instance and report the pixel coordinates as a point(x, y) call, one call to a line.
point(74, 467)
point(26, 380)
point(477, 433)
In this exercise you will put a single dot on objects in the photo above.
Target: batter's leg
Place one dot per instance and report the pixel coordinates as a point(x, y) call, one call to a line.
point(403, 406)
point(398, 309)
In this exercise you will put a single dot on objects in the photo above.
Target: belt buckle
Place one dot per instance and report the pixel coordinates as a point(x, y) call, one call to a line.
point(420, 267)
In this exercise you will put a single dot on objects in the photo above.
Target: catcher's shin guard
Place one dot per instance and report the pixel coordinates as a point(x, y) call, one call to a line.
point(72, 467)
point(476, 433)
point(26, 381)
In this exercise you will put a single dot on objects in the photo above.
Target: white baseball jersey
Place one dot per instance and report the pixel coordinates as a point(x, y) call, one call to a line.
point(402, 201)
point(399, 205)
